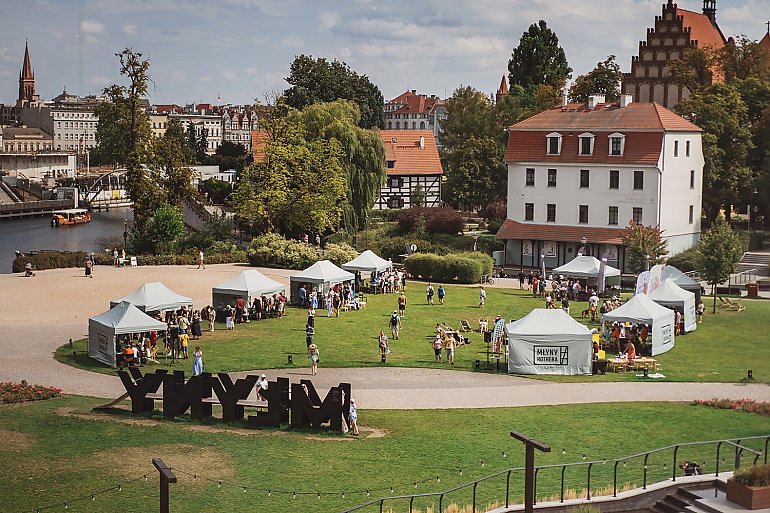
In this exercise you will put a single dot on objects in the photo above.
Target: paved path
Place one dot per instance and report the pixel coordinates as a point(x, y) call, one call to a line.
point(39, 314)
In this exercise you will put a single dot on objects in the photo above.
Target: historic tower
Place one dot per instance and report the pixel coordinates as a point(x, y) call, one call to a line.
point(27, 94)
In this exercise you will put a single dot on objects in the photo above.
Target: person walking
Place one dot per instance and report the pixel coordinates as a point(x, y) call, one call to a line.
point(402, 304)
point(441, 293)
point(314, 359)
point(89, 268)
point(383, 344)
point(309, 333)
point(200, 260)
point(701, 308)
point(197, 368)
point(438, 344)
point(353, 418)
point(482, 297)
point(212, 313)
point(429, 292)
point(395, 324)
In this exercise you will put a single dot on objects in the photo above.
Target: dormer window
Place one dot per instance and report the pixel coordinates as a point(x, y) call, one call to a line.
point(553, 146)
point(617, 144)
point(586, 146)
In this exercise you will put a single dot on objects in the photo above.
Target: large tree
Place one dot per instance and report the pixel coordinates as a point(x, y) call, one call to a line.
point(476, 173)
point(172, 157)
point(470, 113)
point(719, 252)
point(643, 242)
point(538, 59)
point(319, 80)
point(603, 79)
point(694, 69)
point(743, 58)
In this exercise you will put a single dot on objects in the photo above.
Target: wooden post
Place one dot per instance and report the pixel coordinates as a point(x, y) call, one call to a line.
point(166, 477)
point(530, 444)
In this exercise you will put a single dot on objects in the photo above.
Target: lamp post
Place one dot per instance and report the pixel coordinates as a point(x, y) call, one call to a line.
point(125, 233)
point(475, 239)
point(752, 207)
point(583, 241)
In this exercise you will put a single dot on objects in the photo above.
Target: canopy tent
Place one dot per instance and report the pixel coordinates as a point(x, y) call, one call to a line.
point(643, 310)
point(682, 280)
point(124, 318)
point(368, 261)
point(321, 275)
point(247, 284)
point(585, 266)
point(549, 342)
point(152, 297)
point(671, 295)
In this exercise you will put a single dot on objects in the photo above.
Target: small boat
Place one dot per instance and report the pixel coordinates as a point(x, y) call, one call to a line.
point(70, 216)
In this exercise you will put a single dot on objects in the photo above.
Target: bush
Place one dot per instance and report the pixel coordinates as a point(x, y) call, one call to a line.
point(486, 261)
point(453, 267)
point(390, 214)
point(495, 210)
point(432, 220)
point(51, 260)
point(393, 247)
point(273, 250)
point(755, 475)
point(339, 253)
point(685, 261)
point(12, 393)
point(494, 225)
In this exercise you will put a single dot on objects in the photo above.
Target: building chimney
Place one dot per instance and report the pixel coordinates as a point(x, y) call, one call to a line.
point(594, 100)
point(414, 91)
point(626, 100)
point(564, 100)
point(710, 10)
point(422, 142)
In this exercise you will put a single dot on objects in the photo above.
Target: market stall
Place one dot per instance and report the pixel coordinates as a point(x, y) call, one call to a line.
point(123, 319)
point(585, 266)
point(247, 284)
point(640, 309)
point(368, 261)
point(322, 275)
point(682, 280)
point(671, 295)
point(154, 297)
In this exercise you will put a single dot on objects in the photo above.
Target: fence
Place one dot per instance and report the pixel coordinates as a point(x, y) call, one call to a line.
point(640, 459)
point(34, 207)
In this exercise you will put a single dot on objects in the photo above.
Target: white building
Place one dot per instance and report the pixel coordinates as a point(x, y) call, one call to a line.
point(237, 125)
point(583, 171)
point(412, 111)
point(211, 123)
point(411, 162)
point(69, 119)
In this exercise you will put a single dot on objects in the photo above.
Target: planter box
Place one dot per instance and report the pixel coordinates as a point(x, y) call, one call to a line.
point(748, 497)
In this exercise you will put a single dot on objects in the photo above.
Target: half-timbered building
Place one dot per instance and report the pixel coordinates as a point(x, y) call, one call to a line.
point(412, 164)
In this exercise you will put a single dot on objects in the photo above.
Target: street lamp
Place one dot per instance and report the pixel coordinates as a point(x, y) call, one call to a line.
point(752, 207)
point(125, 233)
point(583, 240)
point(475, 236)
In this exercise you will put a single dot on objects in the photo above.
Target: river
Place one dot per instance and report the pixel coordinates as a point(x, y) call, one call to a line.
point(37, 233)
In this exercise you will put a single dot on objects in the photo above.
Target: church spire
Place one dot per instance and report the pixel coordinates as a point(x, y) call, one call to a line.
point(26, 69)
point(26, 80)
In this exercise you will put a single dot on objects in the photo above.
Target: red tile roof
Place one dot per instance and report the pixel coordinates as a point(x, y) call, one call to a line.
point(515, 230)
point(414, 103)
point(701, 29)
point(259, 140)
point(167, 109)
point(765, 43)
point(403, 147)
point(503, 89)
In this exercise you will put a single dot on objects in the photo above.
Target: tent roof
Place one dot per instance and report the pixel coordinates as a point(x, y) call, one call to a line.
point(368, 261)
point(547, 322)
point(126, 318)
point(639, 308)
point(679, 277)
point(585, 266)
point(154, 296)
point(248, 283)
point(323, 271)
point(670, 292)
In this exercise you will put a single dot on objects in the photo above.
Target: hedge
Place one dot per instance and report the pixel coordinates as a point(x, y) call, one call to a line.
point(449, 268)
point(272, 250)
point(432, 220)
point(393, 247)
point(390, 214)
point(61, 260)
point(685, 261)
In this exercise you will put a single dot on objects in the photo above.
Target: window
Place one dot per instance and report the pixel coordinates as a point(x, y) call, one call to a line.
point(687, 149)
point(584, 178)
point(391, 164)
point(583, 218)
point(616, 146)
point(613, 216)
point(395, 203)
point(530, 178)
point(638, 180)
point(692, 179)
point(394, 182)
point(586, 144)
point(551, 178)
point(676, 148)
point(614, 179)
point(551, 213)
point(529, 211)
point(637, 215)
point(692, 213)
point(554, 143)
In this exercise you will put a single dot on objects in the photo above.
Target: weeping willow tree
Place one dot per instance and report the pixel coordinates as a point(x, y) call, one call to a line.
point(364, 160)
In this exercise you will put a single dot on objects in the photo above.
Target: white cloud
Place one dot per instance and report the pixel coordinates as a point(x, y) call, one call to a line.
point(251, 71)
point(129, 30)
point(92, 27)
point(205, 79)
point(229, 75)
point(293, 42)
point(328, 19)
point(100, 80)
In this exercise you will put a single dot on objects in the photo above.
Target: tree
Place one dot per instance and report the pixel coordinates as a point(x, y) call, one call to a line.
point(539, 60)
point(229, 155)
point(320, 80)
point(476, 174)
point(603, 79)
point(694, 69)
point(202, 145)
point(722, 114)
point(719, 252)
point(641, 241)
point(742, 58)
point(164, 227)
point(417, 197)
point(470, 113)
point(172, 157)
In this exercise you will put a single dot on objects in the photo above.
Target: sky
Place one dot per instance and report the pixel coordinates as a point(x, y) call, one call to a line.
point(235, 51)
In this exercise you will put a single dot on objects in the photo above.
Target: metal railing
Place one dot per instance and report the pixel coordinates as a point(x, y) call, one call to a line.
point(642, 459)
point(742, 277)
point(35, 206)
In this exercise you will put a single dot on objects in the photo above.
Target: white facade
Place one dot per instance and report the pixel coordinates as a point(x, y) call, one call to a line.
point(211, 123)
point(73, 127)
point(45, 165)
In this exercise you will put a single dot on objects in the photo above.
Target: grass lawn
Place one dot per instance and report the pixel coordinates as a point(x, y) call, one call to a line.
point(723, 347)
point(56, 450)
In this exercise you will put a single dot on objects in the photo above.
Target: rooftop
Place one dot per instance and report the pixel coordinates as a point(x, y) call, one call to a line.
point(413, 151)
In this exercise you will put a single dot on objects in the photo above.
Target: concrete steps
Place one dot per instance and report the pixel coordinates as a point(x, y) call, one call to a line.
point(760, 261)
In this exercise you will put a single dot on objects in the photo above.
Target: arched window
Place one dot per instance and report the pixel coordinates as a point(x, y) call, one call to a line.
point(661, 56)
point(639, 71)
point(422, 125)
point(647, 56)
point(652, 71)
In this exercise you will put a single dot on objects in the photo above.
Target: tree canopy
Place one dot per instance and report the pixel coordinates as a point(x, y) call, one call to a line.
point(719, 252)
point(319, 80)
point(538, 59)
point(476, 173)
point(694, 69)
point(641, 241)
point(603, 79)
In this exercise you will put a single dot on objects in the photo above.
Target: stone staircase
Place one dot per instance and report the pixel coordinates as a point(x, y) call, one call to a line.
point(759, 260)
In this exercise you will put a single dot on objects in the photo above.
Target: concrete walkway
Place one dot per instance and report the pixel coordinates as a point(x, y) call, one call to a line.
point(39, 314)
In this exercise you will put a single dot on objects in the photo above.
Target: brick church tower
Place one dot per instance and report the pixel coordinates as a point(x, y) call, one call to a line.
point(27, 96)
point(675, 31)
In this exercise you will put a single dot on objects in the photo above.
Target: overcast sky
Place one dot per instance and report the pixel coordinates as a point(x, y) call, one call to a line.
point(238, 50)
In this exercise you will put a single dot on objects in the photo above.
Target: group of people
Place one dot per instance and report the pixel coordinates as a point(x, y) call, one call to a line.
point(334, 300)
point(387, 282)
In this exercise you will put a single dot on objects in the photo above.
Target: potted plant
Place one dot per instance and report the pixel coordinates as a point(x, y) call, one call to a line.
point(750, 487)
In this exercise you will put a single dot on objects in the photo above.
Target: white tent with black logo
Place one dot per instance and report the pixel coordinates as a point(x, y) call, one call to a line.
point(671, 295)
point(247, 284)
point(549, 342)
point(122, 319)
point(641, 309)
point(153, 297)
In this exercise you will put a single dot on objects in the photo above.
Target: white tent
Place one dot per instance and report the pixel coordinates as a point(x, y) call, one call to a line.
point(671, 295)
point(368, 261)
point(585, 266)
point(152, 297)
point(682, 280)
point(549, 342)
point(247, 284)
point(321, 275)
point(122, 319)
point(641, 309)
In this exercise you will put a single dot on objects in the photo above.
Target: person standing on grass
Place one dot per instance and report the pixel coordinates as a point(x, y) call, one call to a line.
point(395, 324)
point(212, 313)
point(449, 347)
point(197, 361)
point(314, 359)
point(402, 304)
point(309, 333)
point(441, 293)
point(329, 299)
point(383, 344)
point(438, 344)
point(353, 418)
point(429, 293)
point(521, 279)
point(700, 310)
point(482, 297)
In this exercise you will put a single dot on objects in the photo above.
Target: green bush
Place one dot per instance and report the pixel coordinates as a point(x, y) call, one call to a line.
point(449, 268)
point(486, 261)
point(339, 253)
point(390, 214)
point(685, 261)
point(432, 220)
point(50, 260)
point(392, 247)
point(494, 225)
point(273, 250)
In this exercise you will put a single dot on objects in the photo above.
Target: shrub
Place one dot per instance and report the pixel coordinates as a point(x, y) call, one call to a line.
point(51, 260)
point(495, 210)
point(23, 392)
point(390, 214)
point(755, 475)
point(433, 220)
point(486, 261)
point(339, 253)
point(273, 250)
point(685, 261)
point(494, 225)
point(393, 247)
point(453, 267)
point(745, 405)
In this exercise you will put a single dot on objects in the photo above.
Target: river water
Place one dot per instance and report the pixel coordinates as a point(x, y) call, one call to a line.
point(37, 233)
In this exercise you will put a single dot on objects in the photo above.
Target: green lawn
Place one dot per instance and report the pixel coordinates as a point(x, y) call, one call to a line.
point(722, 349)
point(50, 456)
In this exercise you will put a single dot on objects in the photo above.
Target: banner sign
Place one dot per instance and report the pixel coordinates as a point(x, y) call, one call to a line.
point(550, 355)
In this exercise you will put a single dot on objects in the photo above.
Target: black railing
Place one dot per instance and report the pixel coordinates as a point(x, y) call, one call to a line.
point(736, 443)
